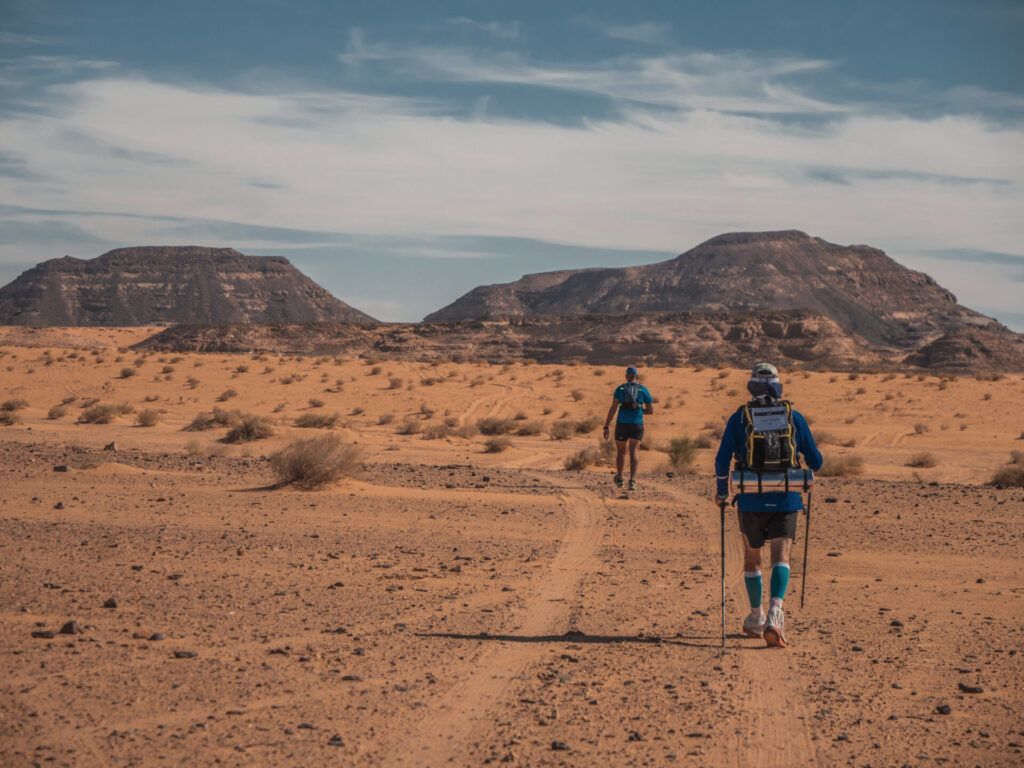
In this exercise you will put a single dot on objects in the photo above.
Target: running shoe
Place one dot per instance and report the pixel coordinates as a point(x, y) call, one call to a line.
point(753, 625)
point(618, 480)
point(773, 635)
point(631, 486)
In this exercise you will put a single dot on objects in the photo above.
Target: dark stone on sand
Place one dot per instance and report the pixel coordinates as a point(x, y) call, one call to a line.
point(110, 603)
point(559, 746)
point(184, 654)
point(980, 581)
point(306, 726)
point(352, 678)
point(670, 474)
point(71, 628)
point(635, 736)
point(59, 505)
point(336, 741)
point(943, 709)
point(895, 623)
point(110, 446)
point(157, 636)
point(45, 633)
point(696, 568)
point(970, 688)
point(835, 554)
point(831, 500)
point(61, 468)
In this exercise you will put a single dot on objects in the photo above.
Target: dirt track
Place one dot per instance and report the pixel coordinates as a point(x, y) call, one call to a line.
point(453, 607)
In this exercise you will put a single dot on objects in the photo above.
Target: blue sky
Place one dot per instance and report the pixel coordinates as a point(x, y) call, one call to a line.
point(403, 152)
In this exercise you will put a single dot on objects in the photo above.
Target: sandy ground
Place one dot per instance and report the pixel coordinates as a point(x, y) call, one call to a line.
point(457, 607)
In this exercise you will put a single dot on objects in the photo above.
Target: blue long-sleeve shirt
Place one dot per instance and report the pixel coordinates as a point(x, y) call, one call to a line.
point(734, 444)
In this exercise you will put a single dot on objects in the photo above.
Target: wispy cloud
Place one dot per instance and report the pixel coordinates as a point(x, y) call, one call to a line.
point(642, 32)
point(506, 30)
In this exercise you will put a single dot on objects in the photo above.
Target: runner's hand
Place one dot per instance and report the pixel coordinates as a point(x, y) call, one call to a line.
point(606, 430)
point(720, 500)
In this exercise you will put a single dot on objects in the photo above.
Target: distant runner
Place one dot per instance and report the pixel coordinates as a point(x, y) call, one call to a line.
point(632, 401)
point(776, 438)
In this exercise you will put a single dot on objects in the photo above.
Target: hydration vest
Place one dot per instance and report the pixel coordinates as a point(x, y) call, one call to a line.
point(770, 444)
point(630, 396)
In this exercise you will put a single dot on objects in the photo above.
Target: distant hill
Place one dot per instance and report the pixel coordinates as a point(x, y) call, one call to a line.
point(158, 285)
point(859, 287)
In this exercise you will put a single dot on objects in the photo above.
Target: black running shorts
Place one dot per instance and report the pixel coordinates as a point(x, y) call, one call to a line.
point(624, 432)
point(759, 527)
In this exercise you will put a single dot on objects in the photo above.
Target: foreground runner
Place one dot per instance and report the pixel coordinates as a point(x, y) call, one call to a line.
point(632, 400)
point(765, 435)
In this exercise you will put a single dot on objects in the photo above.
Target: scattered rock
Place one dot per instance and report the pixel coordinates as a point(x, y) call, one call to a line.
point(670, 474)
point(306, 726)
point(110, 603)
point(559, 746)
point(352, 678)
point(71, 628)
point(59, 505)
point(835, 554)
point(157, 636)
point(635, 736)
point(336, 741)
point(895, 623)
point(696, 568)
point(110, 446)
point(831, 500)
point(61, 468)
point(45, 633)
point(184, 654)
point(842, 737)
point(943, 709)
point(980, 581)
point(970, 688)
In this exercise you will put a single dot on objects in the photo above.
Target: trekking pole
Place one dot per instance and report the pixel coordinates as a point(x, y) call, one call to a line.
point(721, 507)
point(807, 537)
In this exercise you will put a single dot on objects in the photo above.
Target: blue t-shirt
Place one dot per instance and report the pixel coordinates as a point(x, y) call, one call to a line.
point(635, 416)
point(734, 444)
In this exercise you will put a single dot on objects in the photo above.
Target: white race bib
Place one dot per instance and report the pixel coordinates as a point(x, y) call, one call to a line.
point(770, 419)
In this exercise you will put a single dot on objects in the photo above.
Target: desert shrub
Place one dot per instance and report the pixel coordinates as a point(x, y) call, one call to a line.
point(7, 418)
point(242, 369)
point(841, 466)
point(436, 431)
point(104, 413)
point(987, 396)
point(14, 404)
point(317, 420)
point(1011, 476)
point(410, 427)
point(703, 441)
point(494, 426)
point(681, 452)
point(385, 418)
point(194, 448)
point(147, 417)
point(451, 421)
point(127, 373)
point(562, 429)
point(315, 402)
point(88, 403)
point(920, 428)
point(220, 417)
point(520, 416)
point(192, 382)
point(316, 461)
point(577, 395)
point(582, 459)
point(1017, 457)
point(497, 444)
point(395, 382)
point(167, 369)
point(427, 411)
point(374, 371)
point(852, 442)
point(530, 428)
point(358, 411)
point(587, 425)
point(923, 460)
point(227, 394)
point(466, 431)
point(57, 412)
point(250, 428)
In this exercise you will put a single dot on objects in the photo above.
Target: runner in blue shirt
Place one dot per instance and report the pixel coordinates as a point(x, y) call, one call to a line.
point(632, 401)
point(765, 516)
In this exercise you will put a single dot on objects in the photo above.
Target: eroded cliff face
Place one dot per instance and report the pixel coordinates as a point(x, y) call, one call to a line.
point(157, 285)
point(860, 288)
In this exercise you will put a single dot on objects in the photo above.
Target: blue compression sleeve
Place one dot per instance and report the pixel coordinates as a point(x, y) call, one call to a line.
point(755, 587)
point(780, 580)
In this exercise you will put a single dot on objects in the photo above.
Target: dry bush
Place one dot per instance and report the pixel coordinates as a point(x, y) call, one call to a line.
point(681, 452)
point(104, 413)
point(317, 420)
point(588, 425)
point(315, 402)
point(1011, 476)
point(1017, 457)
point(88, 403)
point(451, 421)
point(192, 382)
point(250, 428)
point(218, 418)
point(920, 428)
point(167, 369)
point(148, 417)
point(823, 438)
point(127, 373)
point(242, 369)
point(495, 426)
point(374, 371)
point(477, 381)
point(436, 431)
point(57, 412)
point(7, 418)
point(358, 411)
point(577, 395)
point(316, 461)
point(520, 416)
point(987, 396)
point(396, 382)
point(703, 441)
point(14, 404)
point(410, 427)
point(497, 444)
point(851, 443)
point(466, 431)
point(530, 428)
point(923, 461)
point(841, 466)
point(385, 418)
point(562, 429)
point(607, 450)
point(427, 411)
point(582, 459)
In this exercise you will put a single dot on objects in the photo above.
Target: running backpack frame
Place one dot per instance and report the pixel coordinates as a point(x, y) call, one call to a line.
point(630, 396)
point(771, 448)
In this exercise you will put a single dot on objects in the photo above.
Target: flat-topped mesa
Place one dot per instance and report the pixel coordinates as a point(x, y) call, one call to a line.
point(859, 287)
point(157, 285)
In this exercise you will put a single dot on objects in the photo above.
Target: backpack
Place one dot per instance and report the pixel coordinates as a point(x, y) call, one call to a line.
point(770, 444)
point(631, 396)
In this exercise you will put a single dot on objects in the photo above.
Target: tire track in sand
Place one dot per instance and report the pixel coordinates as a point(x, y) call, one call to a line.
point(774, 728)
point(451, 724)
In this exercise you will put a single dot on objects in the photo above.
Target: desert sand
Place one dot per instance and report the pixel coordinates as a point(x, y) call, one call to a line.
point(454, 606)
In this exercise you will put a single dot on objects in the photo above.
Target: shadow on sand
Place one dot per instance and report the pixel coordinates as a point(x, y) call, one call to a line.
point(576, 637)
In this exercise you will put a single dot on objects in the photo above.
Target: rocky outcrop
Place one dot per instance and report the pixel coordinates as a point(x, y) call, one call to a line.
point(858, 287)
point(166, 285)
point(972, 350)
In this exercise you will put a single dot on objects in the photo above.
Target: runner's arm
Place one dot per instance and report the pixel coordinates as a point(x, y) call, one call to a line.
point(649, 405)
point(723, 458)
point(807, 445)
point(611, 413)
